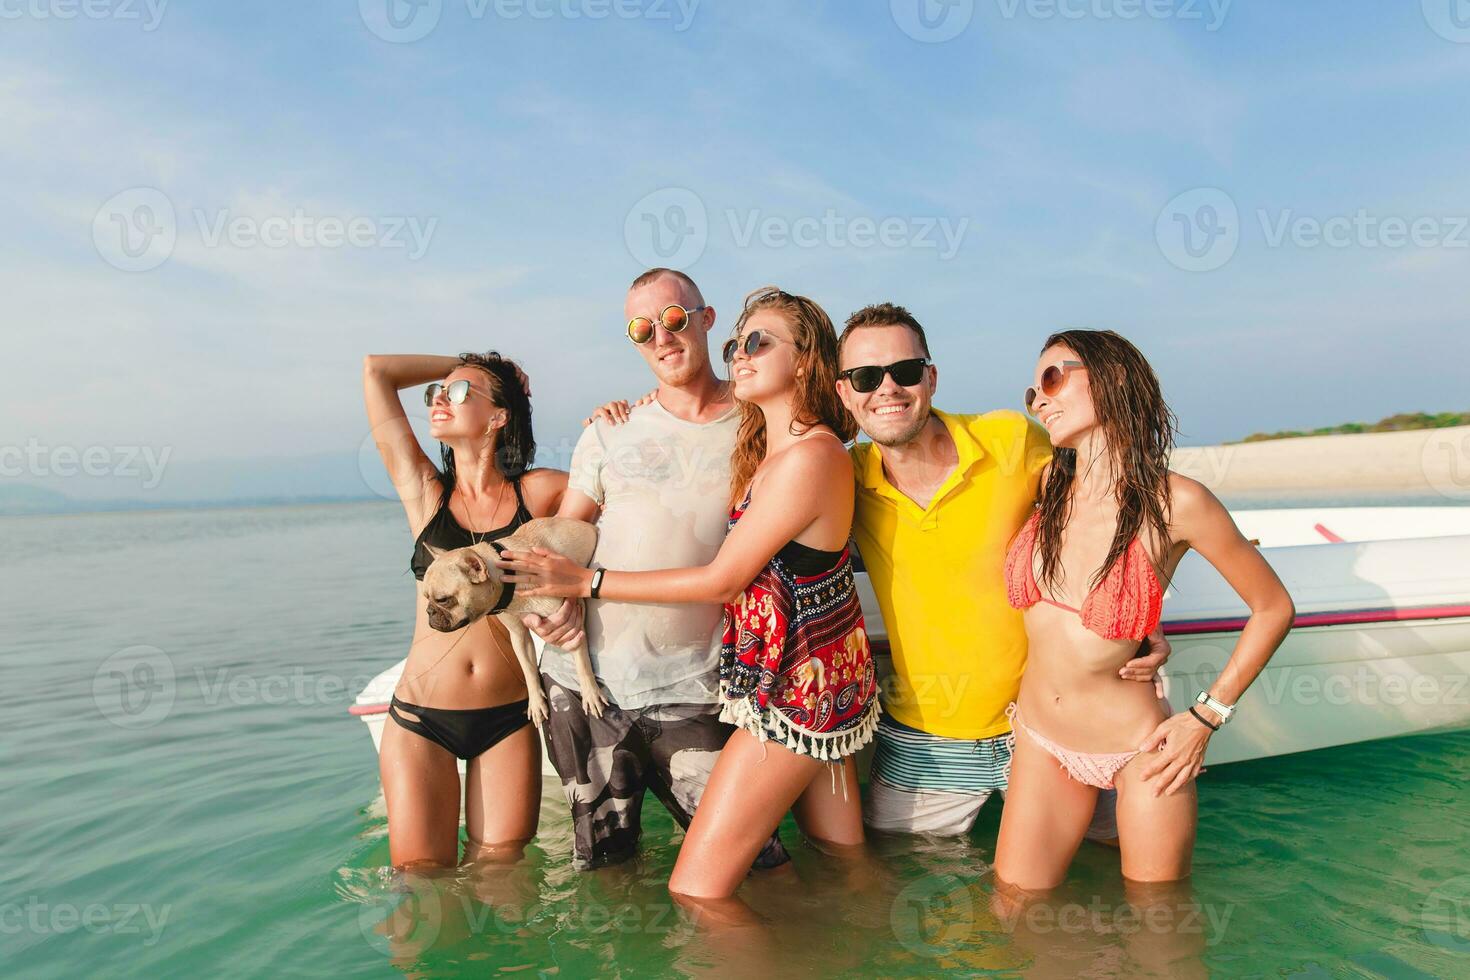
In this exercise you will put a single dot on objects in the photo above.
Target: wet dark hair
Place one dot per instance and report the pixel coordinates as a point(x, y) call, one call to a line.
point(515, 447)
point(1139, 427)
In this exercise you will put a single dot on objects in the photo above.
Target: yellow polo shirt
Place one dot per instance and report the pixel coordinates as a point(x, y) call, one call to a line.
point(958, 647)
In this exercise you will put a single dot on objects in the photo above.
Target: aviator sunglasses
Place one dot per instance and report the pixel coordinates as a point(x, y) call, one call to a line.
point(1052, 380)
point(455, 391)
point(869, 377)
point(674, 319)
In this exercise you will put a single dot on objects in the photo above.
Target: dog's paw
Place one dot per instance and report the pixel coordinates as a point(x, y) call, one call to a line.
point(536, 709)
point(592, 701)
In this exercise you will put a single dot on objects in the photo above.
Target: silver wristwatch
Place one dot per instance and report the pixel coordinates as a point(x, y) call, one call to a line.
point(1225, 711)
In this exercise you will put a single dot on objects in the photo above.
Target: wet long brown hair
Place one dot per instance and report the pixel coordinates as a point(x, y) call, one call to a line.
point(815, 400)
point(1138, 427)
point(515, 447)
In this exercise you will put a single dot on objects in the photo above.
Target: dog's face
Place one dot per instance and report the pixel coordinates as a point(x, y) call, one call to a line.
point(460, 587)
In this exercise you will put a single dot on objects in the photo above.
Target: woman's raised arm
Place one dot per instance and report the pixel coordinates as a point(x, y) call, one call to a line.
point(411, 471)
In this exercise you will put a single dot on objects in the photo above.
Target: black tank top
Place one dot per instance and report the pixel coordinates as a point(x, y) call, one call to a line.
point(444, 532)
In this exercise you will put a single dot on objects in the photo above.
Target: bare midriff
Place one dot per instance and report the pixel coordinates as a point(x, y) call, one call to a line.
point(470, 668)
point(1071, 691)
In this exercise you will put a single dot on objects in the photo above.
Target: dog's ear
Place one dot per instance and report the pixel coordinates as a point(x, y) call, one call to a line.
point(435, 553)
point(475, 565)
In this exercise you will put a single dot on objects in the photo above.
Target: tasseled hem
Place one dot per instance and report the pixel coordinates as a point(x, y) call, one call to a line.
point(769, 723)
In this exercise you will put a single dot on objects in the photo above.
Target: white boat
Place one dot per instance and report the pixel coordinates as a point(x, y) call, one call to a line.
point(1380, 648)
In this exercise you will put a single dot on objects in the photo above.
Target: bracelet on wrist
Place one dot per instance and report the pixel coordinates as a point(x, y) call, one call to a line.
point(1203, 720)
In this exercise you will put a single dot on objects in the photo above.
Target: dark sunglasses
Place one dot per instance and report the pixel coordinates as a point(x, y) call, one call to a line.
point(673, 318)
point(754, 342)
point(455, 391)
point(1052, 380)
point(869, 377)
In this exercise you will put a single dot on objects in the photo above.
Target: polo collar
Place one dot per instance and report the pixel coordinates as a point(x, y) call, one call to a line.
point(967, 447)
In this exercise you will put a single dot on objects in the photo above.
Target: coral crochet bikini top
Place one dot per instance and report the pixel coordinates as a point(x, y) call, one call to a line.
point(1126, 604)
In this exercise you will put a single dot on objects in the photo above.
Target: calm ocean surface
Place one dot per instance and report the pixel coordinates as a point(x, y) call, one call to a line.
point(184, 794)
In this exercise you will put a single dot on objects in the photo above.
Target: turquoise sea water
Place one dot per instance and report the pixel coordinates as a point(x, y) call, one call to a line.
point(185, 795)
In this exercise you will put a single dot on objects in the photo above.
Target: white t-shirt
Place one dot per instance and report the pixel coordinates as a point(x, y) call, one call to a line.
point(663, 485)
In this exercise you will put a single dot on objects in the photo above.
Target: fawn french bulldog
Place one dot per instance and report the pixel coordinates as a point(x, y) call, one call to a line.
point(465, 584)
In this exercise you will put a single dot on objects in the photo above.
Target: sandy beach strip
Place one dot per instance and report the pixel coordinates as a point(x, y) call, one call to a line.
point(1428, 461)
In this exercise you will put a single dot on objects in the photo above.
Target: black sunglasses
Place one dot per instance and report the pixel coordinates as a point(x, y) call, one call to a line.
point(869, 377)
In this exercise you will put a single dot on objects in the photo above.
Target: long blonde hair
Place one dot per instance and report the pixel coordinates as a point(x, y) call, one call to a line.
point(815, 400)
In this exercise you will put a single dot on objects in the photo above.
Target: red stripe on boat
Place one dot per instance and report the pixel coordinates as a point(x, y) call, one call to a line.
point(1344, 618)
point(1327, 534)
point(367, 709)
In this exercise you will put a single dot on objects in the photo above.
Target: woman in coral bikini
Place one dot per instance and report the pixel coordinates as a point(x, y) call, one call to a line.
point(796, 672)
point(1088, 568)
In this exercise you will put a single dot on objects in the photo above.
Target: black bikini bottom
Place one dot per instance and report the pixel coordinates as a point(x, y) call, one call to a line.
point(464, 732)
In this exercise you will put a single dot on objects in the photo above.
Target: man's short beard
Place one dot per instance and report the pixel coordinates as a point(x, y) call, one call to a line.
point(904, 438)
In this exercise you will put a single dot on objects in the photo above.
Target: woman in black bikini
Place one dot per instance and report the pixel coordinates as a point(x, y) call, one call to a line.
point(461, 694)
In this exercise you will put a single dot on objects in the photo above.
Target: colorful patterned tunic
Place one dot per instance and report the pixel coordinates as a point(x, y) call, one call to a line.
point(795, 664)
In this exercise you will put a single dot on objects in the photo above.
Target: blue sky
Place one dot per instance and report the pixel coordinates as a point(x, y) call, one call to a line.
point(504, 171)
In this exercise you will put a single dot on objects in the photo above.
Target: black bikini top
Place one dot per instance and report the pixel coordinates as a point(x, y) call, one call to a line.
point(805, 560)
point(446, 533)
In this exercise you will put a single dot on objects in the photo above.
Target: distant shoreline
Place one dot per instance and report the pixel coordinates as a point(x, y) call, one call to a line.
point(1429, 463)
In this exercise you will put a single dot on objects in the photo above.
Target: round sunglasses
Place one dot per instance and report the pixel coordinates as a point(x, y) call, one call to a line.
point(674, 319)
point(869, 377)
point(1052, 380)
point(455, 391)
point(754, 342)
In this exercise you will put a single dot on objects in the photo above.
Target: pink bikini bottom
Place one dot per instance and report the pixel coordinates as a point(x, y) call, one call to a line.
point(1092, 768)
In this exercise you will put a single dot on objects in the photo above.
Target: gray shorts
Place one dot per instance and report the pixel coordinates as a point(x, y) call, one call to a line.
point(607, 764)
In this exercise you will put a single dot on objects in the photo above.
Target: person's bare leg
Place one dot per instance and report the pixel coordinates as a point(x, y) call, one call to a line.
point(502, 804)
point(1155, 833)
point(829, 811)
point(421, 790)
point(752, 787)
point(1046, 813)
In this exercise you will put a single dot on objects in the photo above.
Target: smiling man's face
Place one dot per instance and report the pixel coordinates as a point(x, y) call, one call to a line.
point(891, 415)
point(676, 359)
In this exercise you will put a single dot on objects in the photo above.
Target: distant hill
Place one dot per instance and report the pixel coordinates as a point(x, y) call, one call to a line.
point(1394, 423)
point(25, 499)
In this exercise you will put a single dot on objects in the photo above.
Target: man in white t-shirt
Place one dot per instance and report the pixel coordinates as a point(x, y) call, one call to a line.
point(657, 486)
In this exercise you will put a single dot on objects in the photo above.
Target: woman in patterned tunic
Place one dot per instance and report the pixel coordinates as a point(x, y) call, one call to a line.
point(796, 672)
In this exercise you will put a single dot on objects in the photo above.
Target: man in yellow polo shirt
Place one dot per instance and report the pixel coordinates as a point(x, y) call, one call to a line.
point(939, 498)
